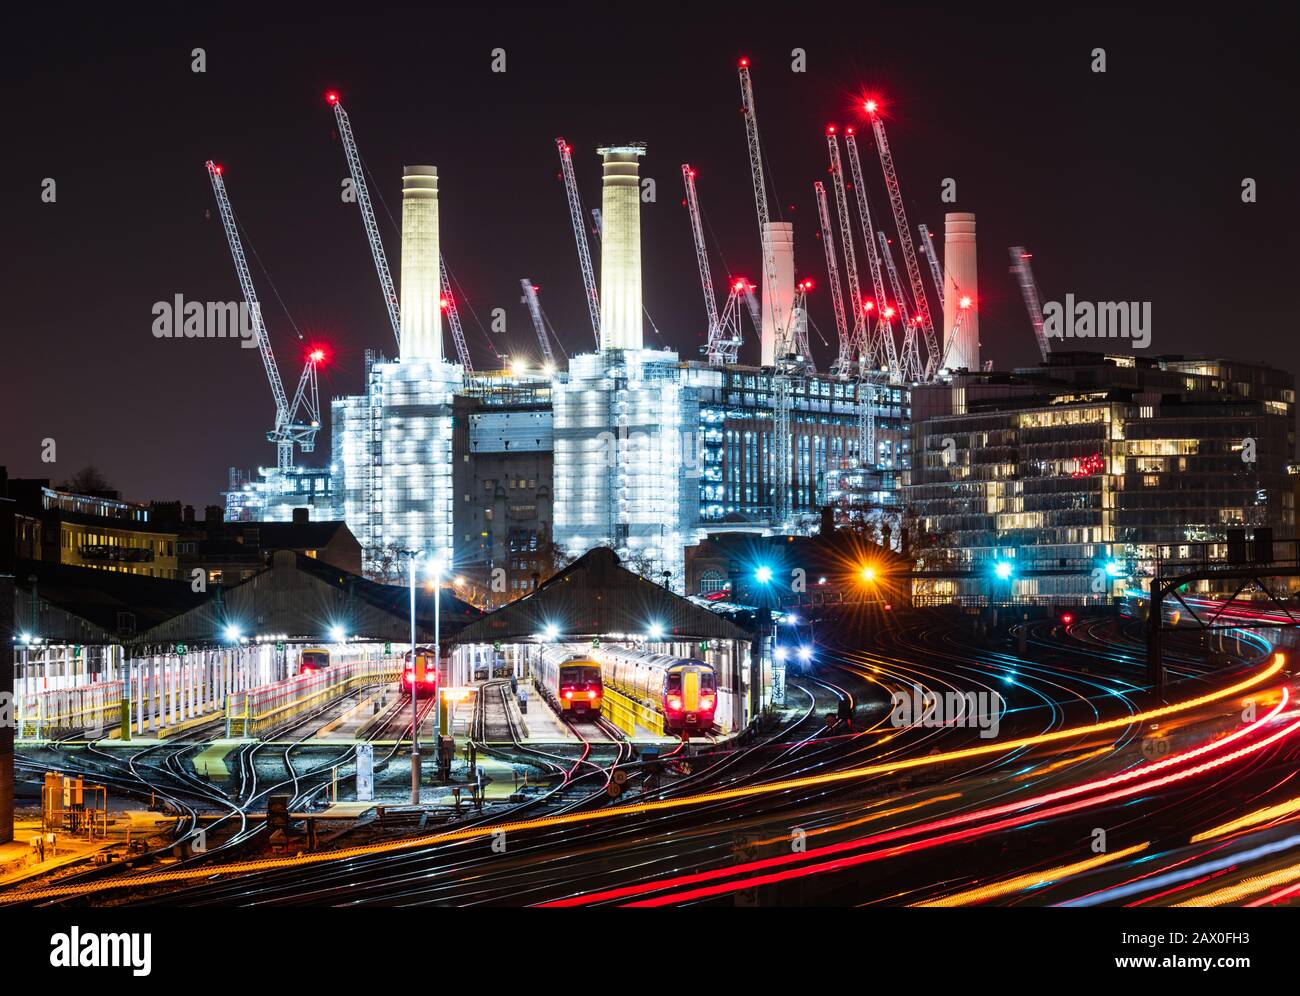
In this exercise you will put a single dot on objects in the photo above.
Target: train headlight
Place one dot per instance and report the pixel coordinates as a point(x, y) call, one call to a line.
point(779, 653)
point(675, 703)
point(805, 654)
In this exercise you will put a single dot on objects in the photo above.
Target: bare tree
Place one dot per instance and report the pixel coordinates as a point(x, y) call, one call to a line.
point(87, 481)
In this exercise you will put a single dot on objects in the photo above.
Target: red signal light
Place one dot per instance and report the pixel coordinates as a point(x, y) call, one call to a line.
point(870, 106)
point(332, 97)
point(1067, 618)
point(317, 355)
point(218, 169)
point(744, 63)
point(830, 129)
point(445, 304)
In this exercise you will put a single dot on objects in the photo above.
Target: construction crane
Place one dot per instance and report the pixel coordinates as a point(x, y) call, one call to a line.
point(1020, 257)
point(844, 360)
point(535, 310)
point(723, 343)
point(909, 357)
point(936, 272)
point(377, 244)
point(288, 430)
point(846, 238)
point(782, 388)
point(882, 351)
point(580, 234)
point(925, 323)
point(453, 319)
point(799, 323)
point(367, 214)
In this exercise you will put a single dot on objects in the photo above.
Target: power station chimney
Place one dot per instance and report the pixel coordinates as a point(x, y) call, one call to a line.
point(421, 293)
point(620, 247)
point(778, 301)
point(960, 280)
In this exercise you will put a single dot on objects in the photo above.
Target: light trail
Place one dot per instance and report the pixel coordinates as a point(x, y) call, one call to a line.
point(1033, 880)
point(1265, 815)
point(842, 863)
point(471, 833)
point(964, 818)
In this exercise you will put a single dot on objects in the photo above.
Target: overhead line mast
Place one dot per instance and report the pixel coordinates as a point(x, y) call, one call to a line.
point(580, 235)
point(286, 431)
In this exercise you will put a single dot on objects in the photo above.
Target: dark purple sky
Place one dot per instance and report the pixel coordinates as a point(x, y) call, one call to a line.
point(1126, 185)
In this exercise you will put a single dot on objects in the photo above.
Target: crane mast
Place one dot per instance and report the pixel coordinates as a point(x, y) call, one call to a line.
point(882, 352)
point(844, 361)
point(368, 216)
point(910, 358)
point(846, 238)
point(714, 347)
point(905, 239)
point(782, 401)
point(453, 319)
point(284, 434)
point(936, 272)
point(1020, 257)
point(535, 310)
point(580, 235)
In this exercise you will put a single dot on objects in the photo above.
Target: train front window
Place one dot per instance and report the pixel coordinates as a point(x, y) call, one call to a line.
point(707, 681)
point(580, 677)
point(674, 684)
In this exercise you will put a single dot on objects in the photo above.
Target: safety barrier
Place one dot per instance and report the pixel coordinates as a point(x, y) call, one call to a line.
point(628, 714)
point(82, 709)
point(252, 713)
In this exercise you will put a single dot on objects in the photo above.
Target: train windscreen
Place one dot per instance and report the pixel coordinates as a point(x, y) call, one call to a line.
point(580, 677)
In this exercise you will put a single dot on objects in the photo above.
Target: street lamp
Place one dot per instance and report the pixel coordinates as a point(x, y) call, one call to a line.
point(434, 574)
point(412, 556)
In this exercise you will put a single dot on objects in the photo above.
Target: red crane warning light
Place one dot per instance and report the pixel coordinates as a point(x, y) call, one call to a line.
point(332, 97)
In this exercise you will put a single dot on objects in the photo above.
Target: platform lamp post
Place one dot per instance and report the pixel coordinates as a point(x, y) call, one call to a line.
point(434, 574)
point(412, 556)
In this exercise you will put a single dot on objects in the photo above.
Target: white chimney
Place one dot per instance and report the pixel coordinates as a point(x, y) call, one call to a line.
point(620, 247)
point(960, 280)
point(421, 293)
point(778, 301)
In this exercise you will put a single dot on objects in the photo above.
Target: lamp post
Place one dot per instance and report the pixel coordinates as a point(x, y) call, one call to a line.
point(412, 556)
point(435, 575)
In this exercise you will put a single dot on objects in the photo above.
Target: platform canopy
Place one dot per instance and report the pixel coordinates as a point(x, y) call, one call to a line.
point(301, 598)
point(596, 596)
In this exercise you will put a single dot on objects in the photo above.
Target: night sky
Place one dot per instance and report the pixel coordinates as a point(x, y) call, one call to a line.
point(1126, 185)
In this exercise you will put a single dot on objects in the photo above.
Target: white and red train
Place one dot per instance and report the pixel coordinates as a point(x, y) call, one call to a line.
point(682, 690)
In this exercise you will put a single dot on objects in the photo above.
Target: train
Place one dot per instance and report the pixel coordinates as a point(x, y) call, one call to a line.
point(683, 689)
point(313, 659)
point(423, 676)
point(571, 681)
